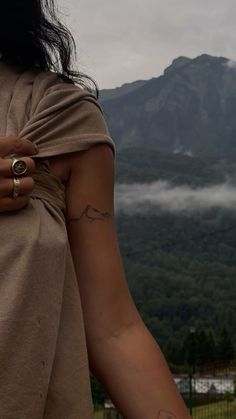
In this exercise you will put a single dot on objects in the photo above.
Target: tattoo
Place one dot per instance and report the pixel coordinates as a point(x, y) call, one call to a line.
point(165, 414)
point(91, 214)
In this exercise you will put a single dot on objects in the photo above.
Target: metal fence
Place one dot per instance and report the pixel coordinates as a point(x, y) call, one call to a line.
point(209, 397)
point(209, 394)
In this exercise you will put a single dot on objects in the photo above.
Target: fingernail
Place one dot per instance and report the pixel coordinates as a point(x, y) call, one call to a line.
point(36, 148)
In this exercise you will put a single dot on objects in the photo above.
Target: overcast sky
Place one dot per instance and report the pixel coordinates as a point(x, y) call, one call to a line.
point(127, 40)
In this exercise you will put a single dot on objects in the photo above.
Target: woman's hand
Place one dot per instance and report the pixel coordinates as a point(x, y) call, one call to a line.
point(18, 147)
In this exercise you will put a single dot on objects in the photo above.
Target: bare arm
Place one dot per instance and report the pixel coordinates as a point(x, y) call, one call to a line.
point(122, 353)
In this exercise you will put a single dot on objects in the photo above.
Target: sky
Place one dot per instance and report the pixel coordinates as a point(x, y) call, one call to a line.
point(127, 40)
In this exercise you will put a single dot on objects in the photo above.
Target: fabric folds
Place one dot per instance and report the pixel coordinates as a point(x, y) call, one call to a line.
point(43, 353)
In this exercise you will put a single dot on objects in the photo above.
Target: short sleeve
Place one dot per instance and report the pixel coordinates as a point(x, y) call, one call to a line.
point(64, 118)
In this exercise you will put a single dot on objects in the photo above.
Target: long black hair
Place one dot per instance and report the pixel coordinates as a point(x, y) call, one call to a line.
point(31, 35)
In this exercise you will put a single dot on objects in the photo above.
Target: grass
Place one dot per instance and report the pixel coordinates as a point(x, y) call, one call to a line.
point(98, 415)
point(220, 410)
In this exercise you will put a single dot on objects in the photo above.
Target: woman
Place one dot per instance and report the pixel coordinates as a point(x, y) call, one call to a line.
point(65, 303)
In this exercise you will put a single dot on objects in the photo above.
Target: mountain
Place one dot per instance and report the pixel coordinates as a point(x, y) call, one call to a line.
point(190, 109)
point(126, 88)
point(141, 165)
point(176, 139)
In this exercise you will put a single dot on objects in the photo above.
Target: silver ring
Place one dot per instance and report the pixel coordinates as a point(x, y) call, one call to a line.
point(19, 167)
point(16, 188)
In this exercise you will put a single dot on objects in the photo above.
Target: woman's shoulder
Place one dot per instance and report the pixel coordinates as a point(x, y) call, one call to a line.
point(52, 88)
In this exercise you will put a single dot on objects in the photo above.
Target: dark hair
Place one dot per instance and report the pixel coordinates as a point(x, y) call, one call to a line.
point(31, 33)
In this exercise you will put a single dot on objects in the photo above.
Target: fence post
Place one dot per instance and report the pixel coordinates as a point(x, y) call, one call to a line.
point(190, 394)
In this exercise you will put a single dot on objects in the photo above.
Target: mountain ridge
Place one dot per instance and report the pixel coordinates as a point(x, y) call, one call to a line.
point(189, 109)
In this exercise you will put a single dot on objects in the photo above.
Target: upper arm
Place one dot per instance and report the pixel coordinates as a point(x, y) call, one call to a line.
point(91, 183)
point(105, 297)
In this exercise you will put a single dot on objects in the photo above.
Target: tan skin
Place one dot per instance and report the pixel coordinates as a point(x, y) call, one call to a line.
point(123, 355)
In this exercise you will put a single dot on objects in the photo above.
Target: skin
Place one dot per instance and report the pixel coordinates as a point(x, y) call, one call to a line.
point(122, 353)
point(91, 214)
point(164, 414)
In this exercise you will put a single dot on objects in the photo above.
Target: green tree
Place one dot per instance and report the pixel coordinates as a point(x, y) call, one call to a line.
point(225, 348)
point(98, 393)
point(211, 347)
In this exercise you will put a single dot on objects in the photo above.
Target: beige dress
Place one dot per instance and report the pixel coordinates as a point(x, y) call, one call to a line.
point(44, 370)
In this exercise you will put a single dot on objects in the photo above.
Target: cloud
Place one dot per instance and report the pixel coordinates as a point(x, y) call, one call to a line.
point(231, 64)
point(140, 198)
point(179, 149)
point(132, 39)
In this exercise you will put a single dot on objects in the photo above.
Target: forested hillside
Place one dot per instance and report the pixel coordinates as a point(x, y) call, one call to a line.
point(180, 264)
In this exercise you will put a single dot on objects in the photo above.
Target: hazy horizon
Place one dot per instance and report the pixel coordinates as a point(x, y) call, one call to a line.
point(131, 40)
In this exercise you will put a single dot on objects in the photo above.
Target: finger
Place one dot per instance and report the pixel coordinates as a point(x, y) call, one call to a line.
point(6, 169)
point(12, 204)
point(7, 186)
point(15, 145)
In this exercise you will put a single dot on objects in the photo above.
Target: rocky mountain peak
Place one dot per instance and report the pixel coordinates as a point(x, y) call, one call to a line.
point(177, 63)
point(189, 110)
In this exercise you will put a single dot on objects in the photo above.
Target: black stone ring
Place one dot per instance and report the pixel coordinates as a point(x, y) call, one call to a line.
point(19, 167)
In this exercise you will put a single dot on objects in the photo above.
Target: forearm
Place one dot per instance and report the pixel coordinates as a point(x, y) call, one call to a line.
point(134, 372)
